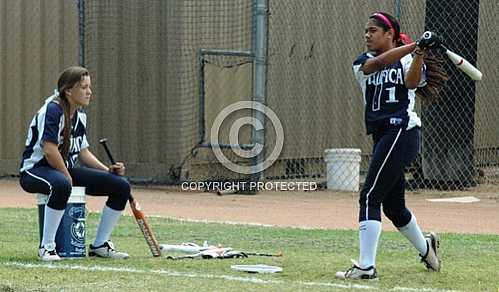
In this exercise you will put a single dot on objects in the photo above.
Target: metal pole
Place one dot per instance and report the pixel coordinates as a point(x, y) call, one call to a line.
point(259, 80)
point(397, 9)
point(81, 32)
point(201, 120)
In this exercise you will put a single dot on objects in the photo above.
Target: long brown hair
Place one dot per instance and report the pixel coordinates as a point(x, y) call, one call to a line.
point(436, 76)
point(68, 78)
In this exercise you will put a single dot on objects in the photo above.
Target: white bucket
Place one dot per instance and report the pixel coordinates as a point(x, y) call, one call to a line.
point(70, 236)
point(343, 169)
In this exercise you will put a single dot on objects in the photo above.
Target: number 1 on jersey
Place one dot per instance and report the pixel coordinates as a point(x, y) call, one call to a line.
point(391, 95)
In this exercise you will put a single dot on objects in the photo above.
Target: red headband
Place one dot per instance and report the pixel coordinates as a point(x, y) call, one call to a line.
point(402, 36)
point(384, 19)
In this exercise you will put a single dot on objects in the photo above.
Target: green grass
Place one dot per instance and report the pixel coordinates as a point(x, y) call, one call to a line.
point(310, 260)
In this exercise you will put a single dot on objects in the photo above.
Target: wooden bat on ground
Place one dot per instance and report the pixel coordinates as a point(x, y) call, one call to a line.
point(278, 254)
point(138, 214)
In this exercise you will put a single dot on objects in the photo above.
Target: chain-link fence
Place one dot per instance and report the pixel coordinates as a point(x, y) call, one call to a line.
point(174, 66)
point(460, 141)
point(163, 71)
point(311, 87)
point(144, 59)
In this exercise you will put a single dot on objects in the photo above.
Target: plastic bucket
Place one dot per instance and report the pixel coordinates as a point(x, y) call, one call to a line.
point(343, 169)
point(70, 236)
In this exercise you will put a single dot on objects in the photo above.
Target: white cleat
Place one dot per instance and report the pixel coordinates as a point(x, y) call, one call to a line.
point(48, 253)
point(106, 250)
point(357, 273)
point(431, 259)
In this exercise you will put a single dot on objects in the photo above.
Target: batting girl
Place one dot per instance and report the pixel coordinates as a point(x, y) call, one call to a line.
point(56, 140)
point(389, 74)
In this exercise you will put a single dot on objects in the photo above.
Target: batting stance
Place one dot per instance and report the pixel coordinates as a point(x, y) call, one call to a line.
point(56, 140)
point(389, 75)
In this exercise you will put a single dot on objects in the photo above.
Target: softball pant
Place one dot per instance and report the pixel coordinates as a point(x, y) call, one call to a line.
point(394, 149)
point(55, 184)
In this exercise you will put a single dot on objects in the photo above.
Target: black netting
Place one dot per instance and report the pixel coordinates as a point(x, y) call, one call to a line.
point(145, 56)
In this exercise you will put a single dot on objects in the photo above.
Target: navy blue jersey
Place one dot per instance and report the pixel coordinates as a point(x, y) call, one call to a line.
point(48, 125)
point(388, 102)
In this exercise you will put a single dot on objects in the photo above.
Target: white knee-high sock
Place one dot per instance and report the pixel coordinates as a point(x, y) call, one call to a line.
point(412, 232)
point(108, 220)
point(369, 232)
point(52, 219)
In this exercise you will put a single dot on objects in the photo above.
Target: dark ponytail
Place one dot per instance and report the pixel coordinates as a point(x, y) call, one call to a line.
point(68, 78)
point(436, 77)
point(66, 133)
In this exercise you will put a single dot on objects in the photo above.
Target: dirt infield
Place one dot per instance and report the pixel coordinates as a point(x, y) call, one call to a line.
point(319, 209)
